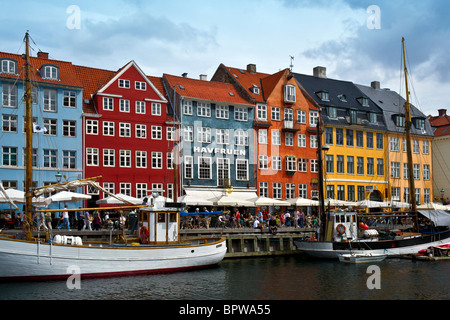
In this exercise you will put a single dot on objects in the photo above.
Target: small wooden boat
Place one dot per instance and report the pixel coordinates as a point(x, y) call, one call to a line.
point(434, 253)
point(361, 257)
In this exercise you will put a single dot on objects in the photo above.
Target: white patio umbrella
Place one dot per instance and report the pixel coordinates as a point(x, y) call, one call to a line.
point(372, 204)
point(432, 206)
point(397, 204)
point(339, 203)
point(18, 196)
point(190, 200)
point(67, 196)
point(264, 201)
point(230, 200)
point(302, 202)
point(124, 200)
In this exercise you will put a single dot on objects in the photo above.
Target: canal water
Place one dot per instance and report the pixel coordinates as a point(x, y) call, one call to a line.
point(278, 278)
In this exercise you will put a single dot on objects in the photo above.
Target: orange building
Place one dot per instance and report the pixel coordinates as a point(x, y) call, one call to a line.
point(285, 130)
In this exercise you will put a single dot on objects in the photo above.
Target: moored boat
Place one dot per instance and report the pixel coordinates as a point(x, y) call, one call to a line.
point(361, 258)
point(159, 247)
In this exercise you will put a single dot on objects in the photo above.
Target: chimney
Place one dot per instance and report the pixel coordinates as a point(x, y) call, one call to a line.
point(442, 112)
point(43, 55)
point(203, 77)
point(251, 68)
point(375, 85)
point(320, 72)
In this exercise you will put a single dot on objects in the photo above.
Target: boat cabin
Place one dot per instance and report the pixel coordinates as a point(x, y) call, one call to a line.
point(159, 225)
point(345, 226)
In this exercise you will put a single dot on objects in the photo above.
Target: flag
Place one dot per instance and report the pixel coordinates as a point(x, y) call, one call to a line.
point(38, 128)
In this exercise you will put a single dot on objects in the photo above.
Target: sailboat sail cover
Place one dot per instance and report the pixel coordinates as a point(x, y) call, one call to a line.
point(440, 218)
point(67, 186)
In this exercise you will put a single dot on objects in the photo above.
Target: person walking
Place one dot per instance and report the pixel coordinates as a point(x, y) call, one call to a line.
point(65, 218)
point(87, 221)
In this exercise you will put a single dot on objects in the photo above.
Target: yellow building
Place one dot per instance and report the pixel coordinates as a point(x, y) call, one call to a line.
point(355, 167)
point(354, 132)
point(396, 157)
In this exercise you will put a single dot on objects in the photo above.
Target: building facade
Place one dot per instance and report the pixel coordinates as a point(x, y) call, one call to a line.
point(392, 105)
point(354, 135)
point(57, 109)
point(285, 129)
point(441, 154)
point(216, 146)
point(126, 137)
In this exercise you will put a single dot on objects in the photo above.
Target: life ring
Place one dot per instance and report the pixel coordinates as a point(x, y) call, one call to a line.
point(144, 235)
point(340, 229)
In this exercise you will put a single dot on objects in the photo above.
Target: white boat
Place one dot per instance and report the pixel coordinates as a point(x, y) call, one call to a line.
point(159, 247)
point(361, 258)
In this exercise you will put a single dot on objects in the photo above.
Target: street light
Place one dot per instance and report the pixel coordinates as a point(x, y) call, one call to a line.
point(58, 176)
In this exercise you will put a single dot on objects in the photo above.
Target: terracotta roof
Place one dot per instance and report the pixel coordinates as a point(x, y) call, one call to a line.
point(248, 80)
point(270, 82)
point(206, 90)
point(67, 74)
point(92, 80)
point(442, 131)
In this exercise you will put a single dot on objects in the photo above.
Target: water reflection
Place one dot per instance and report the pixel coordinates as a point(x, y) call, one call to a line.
point(278, 278)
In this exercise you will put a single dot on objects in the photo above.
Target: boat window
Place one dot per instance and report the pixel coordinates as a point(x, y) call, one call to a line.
point(161, 217)
point(349, 218)
point(173, 217)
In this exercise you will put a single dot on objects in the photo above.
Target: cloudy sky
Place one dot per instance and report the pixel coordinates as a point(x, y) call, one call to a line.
point(356, 40)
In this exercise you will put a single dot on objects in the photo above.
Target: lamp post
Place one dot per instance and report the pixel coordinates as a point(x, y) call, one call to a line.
point(58, 176)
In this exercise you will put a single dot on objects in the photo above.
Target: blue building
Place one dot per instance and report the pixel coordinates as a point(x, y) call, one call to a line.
point(57, 121)
point(217, 148)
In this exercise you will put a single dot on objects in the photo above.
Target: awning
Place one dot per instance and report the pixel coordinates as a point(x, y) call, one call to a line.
point(440, 218)
point(220, 197)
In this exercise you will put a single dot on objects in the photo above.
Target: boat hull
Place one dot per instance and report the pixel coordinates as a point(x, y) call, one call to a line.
point(411, 245)
point(361, 258)
point(21, 260)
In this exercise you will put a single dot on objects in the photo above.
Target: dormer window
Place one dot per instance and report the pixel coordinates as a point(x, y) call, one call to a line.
point(332, 112)
point(399, 120)
point(324, 95)
point(372, 117)
point(364, 101)
point(419, 123)
point(8, 66)
point(255, 89)
point(50, 72)
point(289, 93)
point(342, 97)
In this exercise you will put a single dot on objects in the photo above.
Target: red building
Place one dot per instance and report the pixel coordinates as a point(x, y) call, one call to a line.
point(286, 129)
point(126, 139)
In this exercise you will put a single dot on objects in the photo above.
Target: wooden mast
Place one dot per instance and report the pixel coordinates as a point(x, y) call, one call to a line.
point(29, 141)
point(412, 188)
point(323, 215)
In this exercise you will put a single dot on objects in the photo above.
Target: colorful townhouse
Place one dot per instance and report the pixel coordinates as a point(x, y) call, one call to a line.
point(126, 137)
point(216, 149)
point(354, 133)
point(57, 116)
point(441, 154)
point(285, 127)
point(393, 108)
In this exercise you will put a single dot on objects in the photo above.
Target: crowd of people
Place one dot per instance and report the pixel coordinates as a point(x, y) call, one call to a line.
point(261, 219)
point(83, 220)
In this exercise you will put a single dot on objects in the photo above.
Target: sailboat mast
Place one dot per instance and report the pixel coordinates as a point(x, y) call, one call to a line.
point(412, 188)
point(29, 139)
point(323, 216)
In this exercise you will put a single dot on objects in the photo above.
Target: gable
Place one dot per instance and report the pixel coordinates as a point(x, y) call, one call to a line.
point(133, 74)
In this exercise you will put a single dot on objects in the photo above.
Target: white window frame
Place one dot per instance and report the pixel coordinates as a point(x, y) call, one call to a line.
point(123, 83)
point(156, 109)
point(109, 157)
point(203, 109)
point(208, 161)
point(108, 104)
point(141, 159)
point(141, 131)
point(157, 160)
point(125, 129)
point(125, 158)
point(239, 171)
point(109, 128)
point(222, 112)
point(141, 107)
